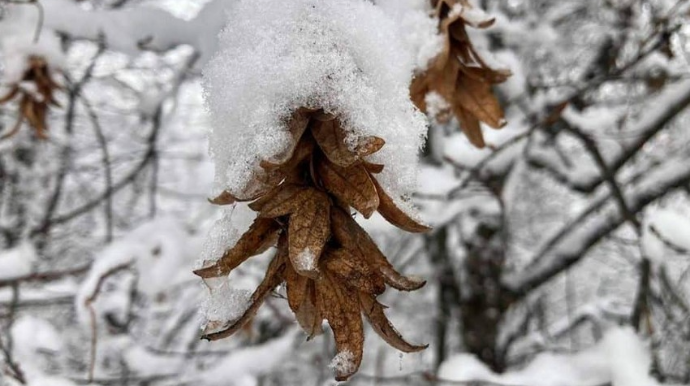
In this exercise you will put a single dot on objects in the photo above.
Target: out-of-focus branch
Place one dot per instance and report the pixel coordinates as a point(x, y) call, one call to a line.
point(671, 102)
point(575, 239)
point(15, 370)
point(45, 276)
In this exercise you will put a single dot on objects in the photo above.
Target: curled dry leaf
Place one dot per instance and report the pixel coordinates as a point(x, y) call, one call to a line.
point(352, 185)
point(343, 315)
point(351, 236)
point(373, 310)
point(262, 234)
point(274, 276)
point(395, 215)
point(331, 138)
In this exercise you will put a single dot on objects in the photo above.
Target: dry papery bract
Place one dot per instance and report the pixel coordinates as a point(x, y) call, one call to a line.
point(459, 75)
point(35, 94)
point(332, 269)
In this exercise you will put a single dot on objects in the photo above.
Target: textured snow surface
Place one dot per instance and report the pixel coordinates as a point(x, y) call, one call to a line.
point(17, 262)
point(621, 358)
point(224, 303)
point(343, 363)
point(419, 29)
point(345, 56)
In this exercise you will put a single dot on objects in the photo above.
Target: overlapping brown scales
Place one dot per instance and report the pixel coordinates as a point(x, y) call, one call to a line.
point(274, 276)
point(351, 185)
point(353, 271)
point(332, 269)
point(344, 317)
point(460, 76)
point(33, 105)
point(262, 234)
point(309, 229)
point(394, 215)
point(373, 310)
point(352, 237)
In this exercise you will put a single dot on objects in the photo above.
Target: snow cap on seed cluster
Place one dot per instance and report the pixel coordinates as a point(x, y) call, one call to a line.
point(346, 56)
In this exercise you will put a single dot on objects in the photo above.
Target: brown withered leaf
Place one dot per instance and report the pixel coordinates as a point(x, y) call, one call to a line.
point(351, 185)
point(373, 310)
point(477, 97)
point(395, 215)
point(225, 198)
point(369, 145)
point(287, 199)
point(308, 231)
point(261, 235)
point(331, 139)
point(470, 126)
point(353, 272)
point(304, 150)
point(342, 310)
point(274, 276)
point(372, 168)
point(296, 287)
point(308, 314)
point(352, 237)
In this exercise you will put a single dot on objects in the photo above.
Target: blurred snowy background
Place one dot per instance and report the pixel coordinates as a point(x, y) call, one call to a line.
point(560, 254)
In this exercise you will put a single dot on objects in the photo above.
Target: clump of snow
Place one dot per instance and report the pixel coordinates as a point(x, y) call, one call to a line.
point(473, 16)
point(436, 104)
point(343, 363)
point(225, 232)
point(419, 29)
point(345, 56)
point(223, 304)
point(621, 358)
point(160, 251)
point(306, 260)
point(18, 261)
point(37, 345)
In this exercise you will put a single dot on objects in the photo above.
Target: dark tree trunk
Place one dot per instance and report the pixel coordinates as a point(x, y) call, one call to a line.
point(484, 301)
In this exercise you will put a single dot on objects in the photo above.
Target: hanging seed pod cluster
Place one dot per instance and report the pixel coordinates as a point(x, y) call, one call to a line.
point(312, 127)
point(459, 75)
point(34, 93)
point(332, 269)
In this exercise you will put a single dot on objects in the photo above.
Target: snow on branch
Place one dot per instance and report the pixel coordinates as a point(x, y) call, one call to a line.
point(654, 117)
point(575, 239)
point(127, 30)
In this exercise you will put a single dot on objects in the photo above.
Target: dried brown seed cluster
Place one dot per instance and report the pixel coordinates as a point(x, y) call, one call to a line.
point(459, 75)
point(34, 93)
point(332, 268)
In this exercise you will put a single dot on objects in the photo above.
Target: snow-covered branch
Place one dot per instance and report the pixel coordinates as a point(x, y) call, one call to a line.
point(602, 217)
point(586, 177)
